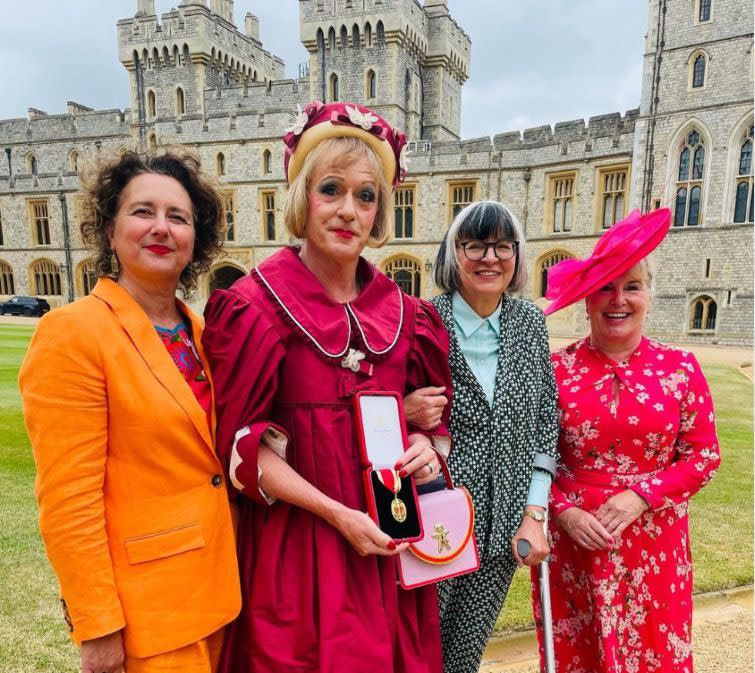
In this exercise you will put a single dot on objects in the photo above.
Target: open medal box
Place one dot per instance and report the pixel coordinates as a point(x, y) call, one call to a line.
point(391, 500)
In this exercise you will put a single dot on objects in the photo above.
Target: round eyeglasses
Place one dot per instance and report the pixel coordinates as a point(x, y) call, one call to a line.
point(475, 250)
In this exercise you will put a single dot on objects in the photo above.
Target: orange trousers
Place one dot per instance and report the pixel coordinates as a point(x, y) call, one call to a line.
point(199, 657)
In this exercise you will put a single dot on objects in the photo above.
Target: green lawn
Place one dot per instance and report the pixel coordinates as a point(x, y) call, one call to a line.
point(31, 627)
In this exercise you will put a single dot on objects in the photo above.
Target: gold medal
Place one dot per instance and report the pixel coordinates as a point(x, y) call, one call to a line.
point(398, 510)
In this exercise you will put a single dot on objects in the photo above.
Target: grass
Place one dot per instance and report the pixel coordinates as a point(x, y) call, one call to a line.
point(34, 638)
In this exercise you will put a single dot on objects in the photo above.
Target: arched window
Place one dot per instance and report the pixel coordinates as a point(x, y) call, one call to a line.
point(87, 277)
point(371, 84)
point(220, 164)
point(367, 35)
point(344, 42)
point(151, 104)
point(405, 272)
point(31, 164)
point(698, 72)
point(743, 200)
point(355, 41)
point(702, 313)
point(542, 269)
point(334, 93)
point(380, 33)
point(689, 183)
point(73, 161)
point(7, 285)
point(332, 38)
point(223, 276)
point(180, 101)
point(267, 162)
point(45, 277)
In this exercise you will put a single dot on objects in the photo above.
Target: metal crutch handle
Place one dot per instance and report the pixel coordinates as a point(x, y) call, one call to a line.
point(523, 548)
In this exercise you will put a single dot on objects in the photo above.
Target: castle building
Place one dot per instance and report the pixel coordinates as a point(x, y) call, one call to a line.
point(197, 79)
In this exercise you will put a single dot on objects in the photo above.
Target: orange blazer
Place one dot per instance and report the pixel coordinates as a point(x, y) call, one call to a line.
point(132, 505)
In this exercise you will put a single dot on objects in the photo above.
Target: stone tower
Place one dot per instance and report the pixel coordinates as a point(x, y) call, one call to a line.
point(192, 49)
point(692, 154)
point(406, 60)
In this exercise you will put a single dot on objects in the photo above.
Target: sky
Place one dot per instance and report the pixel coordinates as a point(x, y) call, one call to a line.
point(533, 62)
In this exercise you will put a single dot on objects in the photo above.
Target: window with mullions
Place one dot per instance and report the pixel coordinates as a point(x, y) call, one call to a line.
point(7, 284)
point(562, 202)
point(268, 215)
point(40, 222)
point(689, 183)
point(545, 264)
point(703, 315)
point(46, 278)
point(229, 202)
point(403, 208)
point(743, 199)
point(406, 274)
point(614, 190)
point(461, 196)
point(88, 277)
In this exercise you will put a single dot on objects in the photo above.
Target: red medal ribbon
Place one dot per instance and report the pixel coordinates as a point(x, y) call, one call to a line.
point(390, 479)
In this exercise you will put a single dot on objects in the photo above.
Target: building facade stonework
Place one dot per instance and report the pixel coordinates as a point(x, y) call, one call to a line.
point(197, 79)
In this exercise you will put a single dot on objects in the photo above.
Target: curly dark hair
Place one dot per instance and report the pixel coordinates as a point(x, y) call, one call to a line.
point(103, 184)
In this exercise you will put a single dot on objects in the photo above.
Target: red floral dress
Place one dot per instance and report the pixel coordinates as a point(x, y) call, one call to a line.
point(628, 609)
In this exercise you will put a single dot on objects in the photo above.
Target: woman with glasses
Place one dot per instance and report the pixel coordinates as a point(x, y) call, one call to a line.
point(503, 417)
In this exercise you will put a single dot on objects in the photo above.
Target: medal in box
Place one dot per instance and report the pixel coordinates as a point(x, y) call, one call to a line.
point(391, 499)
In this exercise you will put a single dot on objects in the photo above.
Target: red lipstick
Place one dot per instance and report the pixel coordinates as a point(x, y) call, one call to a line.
point(343, 233)
point(159, 249)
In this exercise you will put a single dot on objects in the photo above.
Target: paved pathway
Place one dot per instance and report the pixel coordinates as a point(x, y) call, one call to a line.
point(722, 638)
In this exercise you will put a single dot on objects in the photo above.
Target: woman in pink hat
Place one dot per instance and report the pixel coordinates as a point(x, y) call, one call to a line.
point(289, 345)
point(637, 440)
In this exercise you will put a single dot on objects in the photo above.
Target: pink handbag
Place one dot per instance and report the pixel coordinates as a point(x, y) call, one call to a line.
point(448, 547)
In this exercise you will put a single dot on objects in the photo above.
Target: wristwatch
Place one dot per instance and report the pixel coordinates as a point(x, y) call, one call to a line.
point(535, 514)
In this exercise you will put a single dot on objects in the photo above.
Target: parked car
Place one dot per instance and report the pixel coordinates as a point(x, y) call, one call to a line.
point(24, 306)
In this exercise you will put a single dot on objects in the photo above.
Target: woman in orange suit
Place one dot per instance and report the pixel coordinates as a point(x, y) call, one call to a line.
point(118, 406)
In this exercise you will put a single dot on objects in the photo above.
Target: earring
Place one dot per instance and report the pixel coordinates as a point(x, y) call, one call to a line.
point(115, 265)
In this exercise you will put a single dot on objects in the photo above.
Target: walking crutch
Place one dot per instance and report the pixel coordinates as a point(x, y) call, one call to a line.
point(543, 575)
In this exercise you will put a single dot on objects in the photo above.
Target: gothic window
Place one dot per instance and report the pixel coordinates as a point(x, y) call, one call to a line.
point(332, 38)
point(229, 205)
point(542, 269)
point(267, 162)
point(561, 201)
point(743, 199)
point(7, 285)
point(355, 40)
point(180, 101)
point(371, 84)
point(613, 185)
point(698, 72)
point(39, 218)
point(334, 94)
point(267, 200)
point(73, 161)
point(703, 12)
point(31, 164)
point(220, 164)
point(46, 278)
point(223, 276)
point(703, 314)
point(461, 195)
point(367, 35)
point(380, 33)
point(403, 208)
point(344, 42)
point(689, 183)
point(151, 104)
point(87, 277)
point(405, 272)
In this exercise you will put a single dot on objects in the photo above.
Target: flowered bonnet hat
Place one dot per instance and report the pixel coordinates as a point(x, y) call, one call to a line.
point(625, 244)
point(318, 121)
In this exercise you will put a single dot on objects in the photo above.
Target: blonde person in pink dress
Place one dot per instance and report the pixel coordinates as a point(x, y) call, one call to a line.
point(637, 440)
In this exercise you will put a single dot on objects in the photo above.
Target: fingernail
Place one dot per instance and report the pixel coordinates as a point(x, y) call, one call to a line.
point(397, 466)
point(402, 473)
point(391, 545)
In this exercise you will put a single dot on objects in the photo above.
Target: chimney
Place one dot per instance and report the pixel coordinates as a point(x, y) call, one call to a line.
point(252, 26)
point(145, 7)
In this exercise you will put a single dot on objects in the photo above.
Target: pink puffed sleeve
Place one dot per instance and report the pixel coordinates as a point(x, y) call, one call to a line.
point(697, 453)
point(245, 354)
point(428, 366)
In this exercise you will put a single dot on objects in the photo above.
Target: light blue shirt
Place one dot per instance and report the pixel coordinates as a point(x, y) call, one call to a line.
point(478, 340)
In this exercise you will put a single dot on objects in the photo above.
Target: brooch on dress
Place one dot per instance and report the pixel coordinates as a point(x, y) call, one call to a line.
point(352, 360)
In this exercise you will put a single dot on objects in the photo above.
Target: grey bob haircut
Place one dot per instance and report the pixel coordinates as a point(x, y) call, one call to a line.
point(480, 220)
